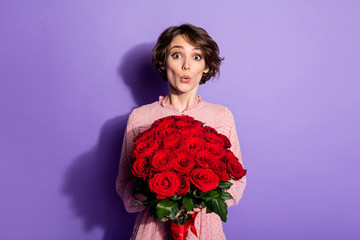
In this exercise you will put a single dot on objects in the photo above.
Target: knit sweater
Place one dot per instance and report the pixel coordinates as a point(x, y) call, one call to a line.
point(208, 226)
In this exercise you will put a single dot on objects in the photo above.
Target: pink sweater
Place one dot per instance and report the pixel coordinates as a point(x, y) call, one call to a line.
point(208, 226)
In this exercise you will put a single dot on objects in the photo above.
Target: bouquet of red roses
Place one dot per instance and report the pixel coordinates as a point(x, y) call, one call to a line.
point(181, 164)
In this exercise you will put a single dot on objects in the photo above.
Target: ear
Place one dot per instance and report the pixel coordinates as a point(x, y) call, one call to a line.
point(163, 67)
point(206, 70)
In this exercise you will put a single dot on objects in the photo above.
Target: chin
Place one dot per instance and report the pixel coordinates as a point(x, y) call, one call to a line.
point(184, 89)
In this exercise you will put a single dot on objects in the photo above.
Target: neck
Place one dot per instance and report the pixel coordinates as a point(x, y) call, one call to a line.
point(182, 101)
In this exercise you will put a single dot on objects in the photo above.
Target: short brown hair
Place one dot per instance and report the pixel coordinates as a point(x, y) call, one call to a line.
point(196, 36)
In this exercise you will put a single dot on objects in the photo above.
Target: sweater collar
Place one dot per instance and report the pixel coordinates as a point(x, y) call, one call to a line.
point(171, 107)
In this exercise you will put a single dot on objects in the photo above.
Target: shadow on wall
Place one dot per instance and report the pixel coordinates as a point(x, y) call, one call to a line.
point(90, 181)
point(137, 72)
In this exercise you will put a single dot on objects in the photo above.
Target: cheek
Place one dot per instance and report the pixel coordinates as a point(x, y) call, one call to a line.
point(170, 74)
point(200, 67)
point(170, 63)
point(169, 67)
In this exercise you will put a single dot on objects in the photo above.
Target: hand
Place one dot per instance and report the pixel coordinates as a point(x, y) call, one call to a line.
point(196, 208)
point(140, 197)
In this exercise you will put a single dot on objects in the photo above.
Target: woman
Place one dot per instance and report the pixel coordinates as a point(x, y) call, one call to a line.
point(185, 56)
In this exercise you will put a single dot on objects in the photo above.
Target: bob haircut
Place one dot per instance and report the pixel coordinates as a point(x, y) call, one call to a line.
point(196, 36)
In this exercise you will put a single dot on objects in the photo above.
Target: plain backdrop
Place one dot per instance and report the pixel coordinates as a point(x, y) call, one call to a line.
point(72, 71)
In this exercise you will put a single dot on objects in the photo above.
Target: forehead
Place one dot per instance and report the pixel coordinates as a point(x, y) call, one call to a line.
point(181, 41)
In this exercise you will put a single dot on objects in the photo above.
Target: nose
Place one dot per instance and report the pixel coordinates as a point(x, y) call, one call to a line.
point(186, 64)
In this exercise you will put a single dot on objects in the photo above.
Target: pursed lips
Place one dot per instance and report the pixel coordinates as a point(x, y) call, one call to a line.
point(185, 79)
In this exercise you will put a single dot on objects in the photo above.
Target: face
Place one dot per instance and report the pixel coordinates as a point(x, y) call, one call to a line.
point(185, 65)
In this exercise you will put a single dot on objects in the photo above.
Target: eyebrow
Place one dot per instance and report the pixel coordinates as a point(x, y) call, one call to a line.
point(176, 46)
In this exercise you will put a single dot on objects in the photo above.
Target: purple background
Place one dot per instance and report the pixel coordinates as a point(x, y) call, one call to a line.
point(71, 71)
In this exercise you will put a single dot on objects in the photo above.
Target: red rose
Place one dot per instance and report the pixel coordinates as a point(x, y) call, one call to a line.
point(234, 167)
point(184, 185)
point(140, 167)
point(164, 184)
point(219, 168)
point(168, 132)
point(227, 143)
point(156, 123)
point(198, 124)
point(215, 139)
point(169, 123)
point(230, 155)
point(194, 132)
point(145, 149)
point(218, 151)
point(184, 121)
point(188, 132)
point(171, 142)
point(183, 162)
point(162, 161)
point(224, 176)
point(138, 136)
point(150, 175)
point(210, 129)
point(183, 124)
point(171, 138)
point(145, 136)
point(204, 179)
point(196, 143)
point(192, 153)
point(185, 118)
point(164, 119)
point(204, 159)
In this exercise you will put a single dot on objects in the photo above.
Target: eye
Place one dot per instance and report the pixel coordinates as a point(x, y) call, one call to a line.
point(197, 57)
point(176, 55)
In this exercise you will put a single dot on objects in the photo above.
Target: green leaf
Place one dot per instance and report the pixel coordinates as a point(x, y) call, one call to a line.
point(172, 215)
point(152, 207)
point(220, 208)
point(224, 185)
point(196, 193)
point(225, 195)
point(188, 203)
point(166, 207)
point(176, 197)
point(208, 207)
point(210, 195)
point(138, 202)
point(202, 204)
point(165, 219)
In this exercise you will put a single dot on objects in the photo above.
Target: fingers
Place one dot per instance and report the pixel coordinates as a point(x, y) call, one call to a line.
point(140, 197)
point(181, 209)
point(195, 209)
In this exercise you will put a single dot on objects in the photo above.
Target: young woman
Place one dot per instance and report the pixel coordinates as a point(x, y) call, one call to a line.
point(185, 56)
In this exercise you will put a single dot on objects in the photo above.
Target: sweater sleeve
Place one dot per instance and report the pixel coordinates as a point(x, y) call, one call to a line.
point(125, 179)
point(237, 189)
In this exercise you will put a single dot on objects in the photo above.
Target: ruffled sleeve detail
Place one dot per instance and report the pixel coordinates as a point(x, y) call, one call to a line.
point(238, 187)
point(126, 180)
